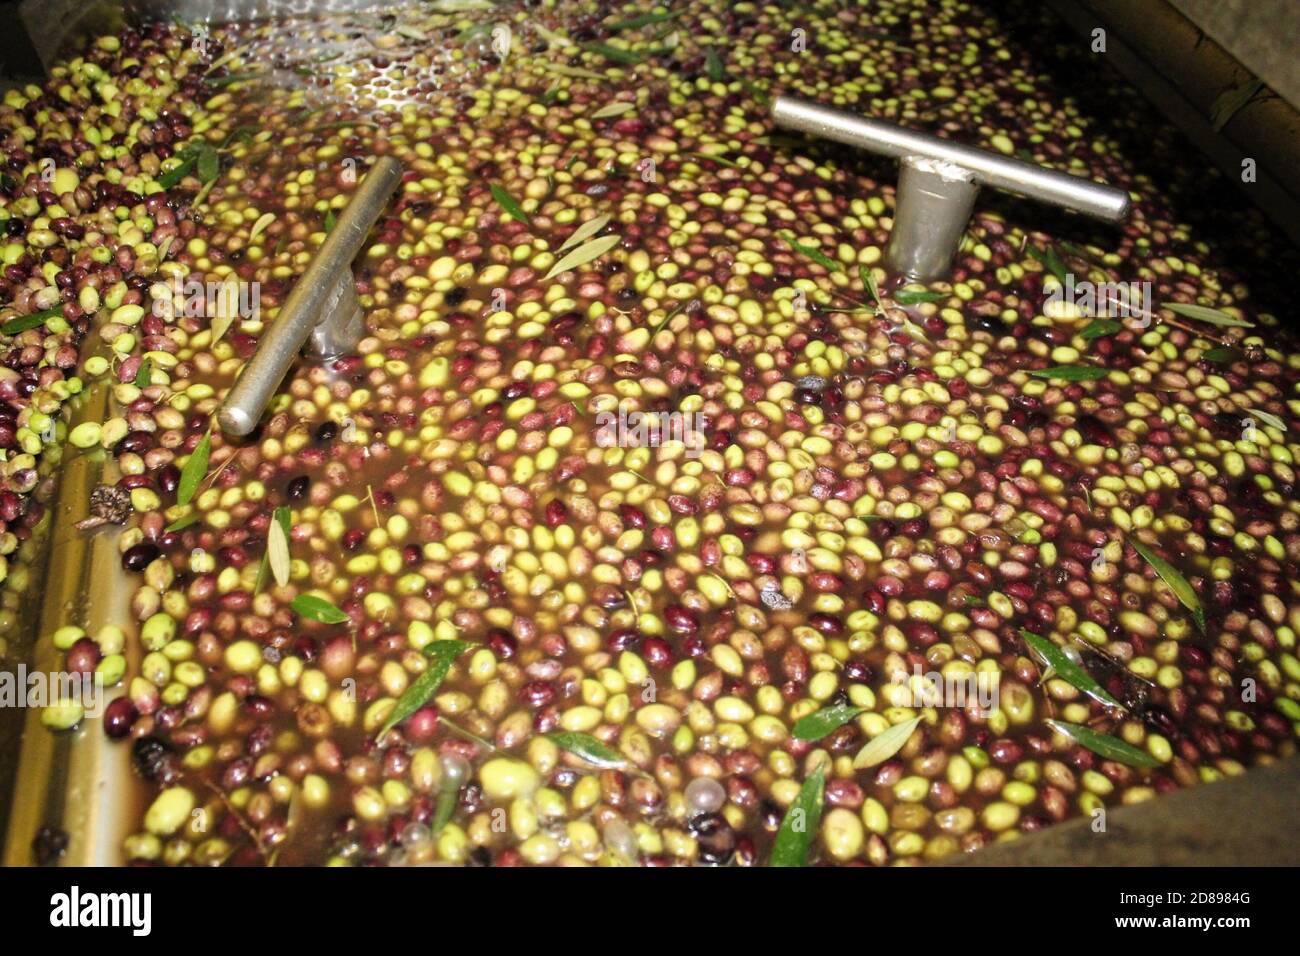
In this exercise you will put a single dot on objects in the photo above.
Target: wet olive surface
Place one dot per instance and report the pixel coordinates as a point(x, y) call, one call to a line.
point(880, 492)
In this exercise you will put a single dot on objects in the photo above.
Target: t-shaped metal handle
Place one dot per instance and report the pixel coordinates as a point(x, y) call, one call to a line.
point(321, 313)
point(939, 180)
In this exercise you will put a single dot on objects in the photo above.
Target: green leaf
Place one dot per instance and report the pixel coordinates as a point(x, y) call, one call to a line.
point(1177, 583)
point(885, 744)
point(242, 134)
point(583, 254)
point(713, 64)
point(800, 824)
point(642, 20)
point(869, 283)
point(208, 164)
point(1104, 745)
point(32, 321)
point(911, 297)
point(615, 54)
point(282, 518)
point(1268, 418)
point(1221, 354)
point(317, 609)
point(196, 467)
point(174, 175)
point(448, 797)
point(1066, 669)
point(1072, 373)
point(715, 158)
point(813, 253)
point(1098, 328)
point(1204, 314)
point(143, 373)
point(330, 221)
point(1050, 260)
point(180, 524)
point(508, 203)
point(586, 231)
point(617, 108)
point(817, 725)
point(441, 655)
point(589, 749)
point(227, 308)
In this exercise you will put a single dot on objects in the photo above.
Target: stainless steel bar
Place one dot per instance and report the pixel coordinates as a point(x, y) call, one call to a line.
point(989, 169)
point(933, 208)
point(315, 299)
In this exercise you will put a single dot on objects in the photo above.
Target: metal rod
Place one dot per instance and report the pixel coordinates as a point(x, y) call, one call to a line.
point(314, 299)
point(933, 207)
point(988, 169)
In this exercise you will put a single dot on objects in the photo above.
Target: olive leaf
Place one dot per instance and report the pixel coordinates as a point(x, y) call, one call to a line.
point(1066, 669)
point(817, 725)
point(642, 20)
point(1268, 418)
point(317, 609)
point(615, 54)
point(1204, 314)
point(277, 546)
point(583, 254)
point(885, 744)
point(227, 308)
point(180, 524)
point(617, 108)
point(589, 749)
point(715, 158)
point(447, 800)
point(813, 253)
point(441, 655)
point(1104, 745)
point(1072, 373)
point(143, 373)
point(508, 203)
point(207, 164)
point(576, 72)
point(1177, 583)
point(800, 824)
point(174, 175)
point(913, 297)
point(32, 321)
point(1098, 328)
point(259, 227)
point(713, 64)
point(869, 283)
point(196, 467)
point(1221, 354)
point(331, 221)
point(1050, 260)
point(586, 231)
